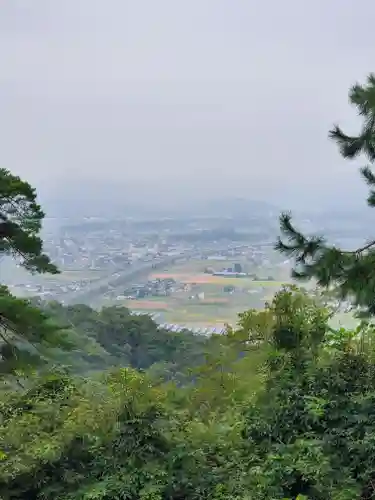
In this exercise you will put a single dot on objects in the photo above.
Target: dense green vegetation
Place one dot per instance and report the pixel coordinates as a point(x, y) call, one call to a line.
point(114, 337)
point(104, 405)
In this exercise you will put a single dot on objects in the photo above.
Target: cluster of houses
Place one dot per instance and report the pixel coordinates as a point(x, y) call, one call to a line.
point(152, 288)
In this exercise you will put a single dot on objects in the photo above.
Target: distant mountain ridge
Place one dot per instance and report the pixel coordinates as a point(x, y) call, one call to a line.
point(121, 201)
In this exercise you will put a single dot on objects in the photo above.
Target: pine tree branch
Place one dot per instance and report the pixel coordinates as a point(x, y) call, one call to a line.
point(350, 147)
point(22, 217)
point(368, 175)
point(352, 271)
point(360, 249)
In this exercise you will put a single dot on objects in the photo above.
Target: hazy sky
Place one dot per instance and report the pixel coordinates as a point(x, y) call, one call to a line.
point(224, 96)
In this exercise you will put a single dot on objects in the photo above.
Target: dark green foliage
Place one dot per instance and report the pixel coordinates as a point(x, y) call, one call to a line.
point(118, 439)
point(24, 329)
point(290, 415)
point(20, 223)
point(115, 337)
point(292, 321)
point(299, 320)
point(19, 314)
point(312, 432)
point(26, 334)
point(352, 272)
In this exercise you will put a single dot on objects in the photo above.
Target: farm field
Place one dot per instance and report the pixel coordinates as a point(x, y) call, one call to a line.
point(207, 279)
point(215, 306)
point(147, 305)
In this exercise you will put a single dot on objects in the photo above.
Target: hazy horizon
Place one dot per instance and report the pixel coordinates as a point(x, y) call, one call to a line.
point(182, 101)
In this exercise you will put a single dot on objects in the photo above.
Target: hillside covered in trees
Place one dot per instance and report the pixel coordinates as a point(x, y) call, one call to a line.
point(105, 405)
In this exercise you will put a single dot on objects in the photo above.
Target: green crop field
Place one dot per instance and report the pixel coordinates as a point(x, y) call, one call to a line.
point(204, 301)
point(215, 306)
